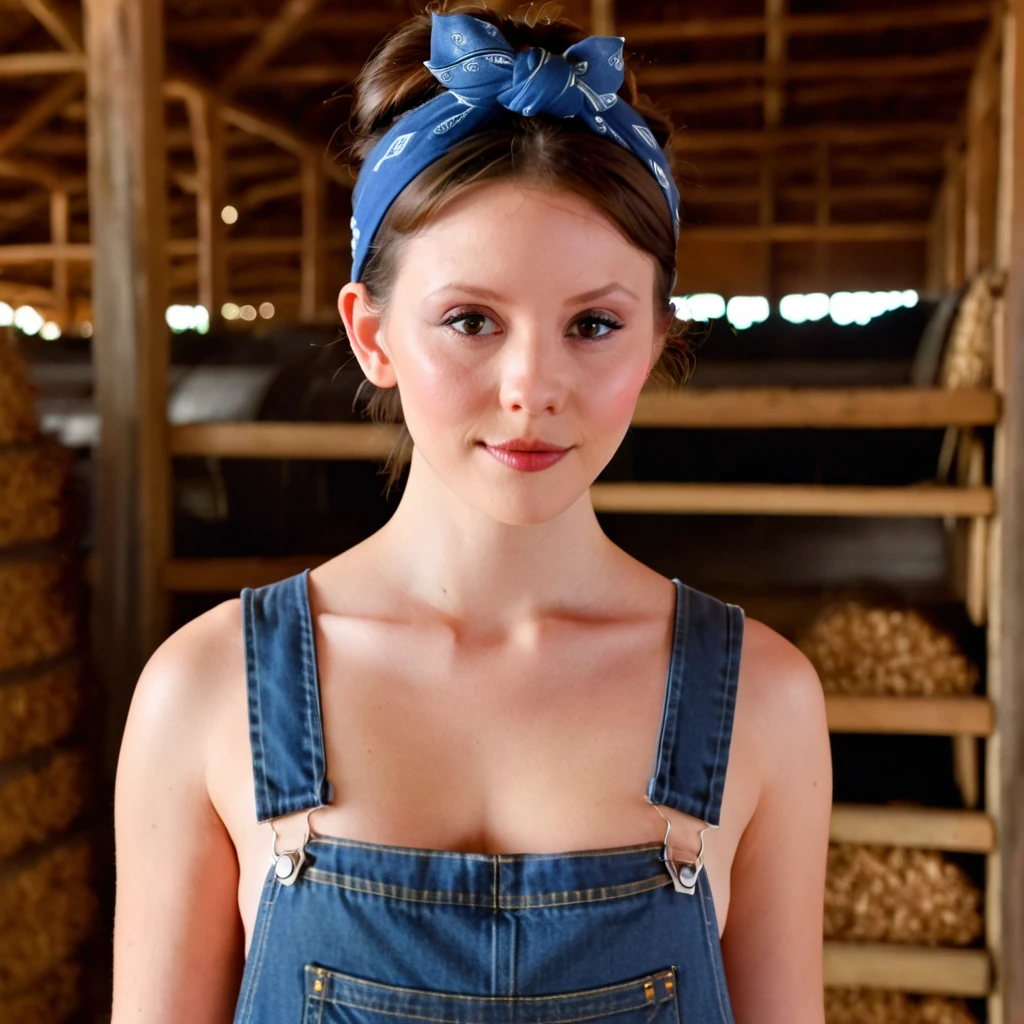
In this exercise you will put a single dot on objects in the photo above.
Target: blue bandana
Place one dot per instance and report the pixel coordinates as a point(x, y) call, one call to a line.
point(483, 76)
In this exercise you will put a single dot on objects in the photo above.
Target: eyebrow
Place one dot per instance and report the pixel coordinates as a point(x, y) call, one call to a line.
point(488, 294)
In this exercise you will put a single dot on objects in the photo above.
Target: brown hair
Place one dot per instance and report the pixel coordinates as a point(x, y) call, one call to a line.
point(552, 152)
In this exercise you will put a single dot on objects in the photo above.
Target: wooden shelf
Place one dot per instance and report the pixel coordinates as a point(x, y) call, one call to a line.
point(751, 408)
point(919, 500)
point(916, 969)
point(918, 827)
point(910, 716)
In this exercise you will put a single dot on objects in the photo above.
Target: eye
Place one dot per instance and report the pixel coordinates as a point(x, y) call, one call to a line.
point(591, 325)
point(474, 323)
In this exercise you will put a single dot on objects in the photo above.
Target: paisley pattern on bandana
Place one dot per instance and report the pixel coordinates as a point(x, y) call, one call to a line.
point(483, 75)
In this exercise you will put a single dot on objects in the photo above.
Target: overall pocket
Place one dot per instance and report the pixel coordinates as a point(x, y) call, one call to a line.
point(336, 998)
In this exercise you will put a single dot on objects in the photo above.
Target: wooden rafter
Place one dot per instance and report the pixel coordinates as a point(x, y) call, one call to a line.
point(772, 108)
point(30, 170)
point(39, 112)
point(809, 24)
point(276, 35)
point(18, 65)
point(55, 21)
point(602, 17)
point(838, 134)
point(60, 226)
point(872, 67)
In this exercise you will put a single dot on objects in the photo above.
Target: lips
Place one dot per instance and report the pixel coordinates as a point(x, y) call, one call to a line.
point(524, 454)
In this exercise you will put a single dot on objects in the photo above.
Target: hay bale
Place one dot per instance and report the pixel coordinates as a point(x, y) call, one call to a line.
point(871, 1006)
point(863, 648)
point(40, 710)
point(33, 482)
point(47, 910)
point(53, 1003)
point(39, 611)
point(18, 420)
point(969, 356)
point(44, 800)
point(894, 894)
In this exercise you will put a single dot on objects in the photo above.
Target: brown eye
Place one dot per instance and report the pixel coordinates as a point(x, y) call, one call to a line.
point(595, 327)
point(473, 323)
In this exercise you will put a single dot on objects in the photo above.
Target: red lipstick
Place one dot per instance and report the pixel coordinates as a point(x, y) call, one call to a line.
point(526, 454)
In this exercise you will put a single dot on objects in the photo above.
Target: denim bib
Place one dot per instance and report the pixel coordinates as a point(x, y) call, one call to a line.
point(351, 932)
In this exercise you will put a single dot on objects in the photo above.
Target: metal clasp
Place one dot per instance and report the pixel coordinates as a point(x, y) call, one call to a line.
point(288, 863)
point(684, 874)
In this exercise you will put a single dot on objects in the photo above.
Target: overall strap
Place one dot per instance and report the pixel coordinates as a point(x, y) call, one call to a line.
point(700, 702)
point(285, 728)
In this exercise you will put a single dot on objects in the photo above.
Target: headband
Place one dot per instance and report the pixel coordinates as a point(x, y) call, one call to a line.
point(484, 76)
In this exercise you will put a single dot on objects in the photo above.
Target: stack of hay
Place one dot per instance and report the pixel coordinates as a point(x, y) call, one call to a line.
point(869, 649)
point(891, 894)
point(48, 906)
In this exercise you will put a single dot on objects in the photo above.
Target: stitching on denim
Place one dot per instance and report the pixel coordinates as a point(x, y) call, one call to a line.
point(311, 688)
point(665, 744)
point(509, 858)
point(718, 784)
point(706, 894)
point(597, 1012)
point(255, 700)
point(521, 902)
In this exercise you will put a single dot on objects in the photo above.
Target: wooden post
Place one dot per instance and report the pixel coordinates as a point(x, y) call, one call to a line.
point(205, 113)
point(314, 271)
point(59, 227)
point(1005, 903)
point(982, 161)
point(127, 205)
point(953, 219)
point(773, 104)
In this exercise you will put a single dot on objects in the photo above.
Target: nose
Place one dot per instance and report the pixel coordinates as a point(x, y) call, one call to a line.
point(535, 372)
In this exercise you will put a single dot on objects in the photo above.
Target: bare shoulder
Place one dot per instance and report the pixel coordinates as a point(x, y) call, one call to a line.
point(780, 711)
point(185, 680)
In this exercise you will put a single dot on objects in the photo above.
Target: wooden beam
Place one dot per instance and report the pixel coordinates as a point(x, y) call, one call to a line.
point(871, 67)
point(314, 249)
point(981, 169)
point(206, 119)
point(849, 195)
point(22, 65)
point(1005, 774)
point(268, 191)
point(771, 117)
point(602, 17)
point(858, 23)
point(918, 969)
point(918, 827)
point(275, 36)
point(128, 195)
point(40, 111)
point(56, 22)
point(31, 170)
point(891, 231)
point(335, 73)
point(909, 716)
point(697, 140)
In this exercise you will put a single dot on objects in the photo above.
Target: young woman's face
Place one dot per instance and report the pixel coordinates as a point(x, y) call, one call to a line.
point(520, 313)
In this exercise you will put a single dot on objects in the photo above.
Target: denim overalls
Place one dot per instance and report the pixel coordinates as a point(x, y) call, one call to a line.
point(368, 933)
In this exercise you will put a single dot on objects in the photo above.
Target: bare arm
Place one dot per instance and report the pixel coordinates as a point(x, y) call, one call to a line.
point(772, 944)
point(178, 937)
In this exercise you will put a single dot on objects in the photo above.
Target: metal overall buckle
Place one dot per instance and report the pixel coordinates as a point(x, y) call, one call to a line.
point(288, 863)
point(684, 874)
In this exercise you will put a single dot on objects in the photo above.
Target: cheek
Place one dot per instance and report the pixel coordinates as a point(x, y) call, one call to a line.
point(435, 386)
point(611, 398)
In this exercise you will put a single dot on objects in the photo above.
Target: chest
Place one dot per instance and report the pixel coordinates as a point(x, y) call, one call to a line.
point(492, 751)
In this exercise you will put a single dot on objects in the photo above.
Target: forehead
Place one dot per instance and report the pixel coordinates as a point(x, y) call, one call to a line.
point(541, 238)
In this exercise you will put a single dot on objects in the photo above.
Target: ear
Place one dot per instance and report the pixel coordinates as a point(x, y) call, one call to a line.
point(364, 327)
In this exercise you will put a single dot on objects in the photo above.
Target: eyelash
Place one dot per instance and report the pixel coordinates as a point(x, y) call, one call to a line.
point(597, 318)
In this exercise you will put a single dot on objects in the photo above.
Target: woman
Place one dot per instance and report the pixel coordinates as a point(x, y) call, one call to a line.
point(498, 765)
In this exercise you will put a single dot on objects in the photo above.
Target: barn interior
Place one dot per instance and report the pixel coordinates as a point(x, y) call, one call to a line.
point(175, 197)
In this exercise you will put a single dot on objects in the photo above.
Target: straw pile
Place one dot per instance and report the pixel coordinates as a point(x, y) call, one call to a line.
point(892, 894)
point(868, 1006)
point(47, 910)
point(863, 648)
point(968, 358)
point(48, 907)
